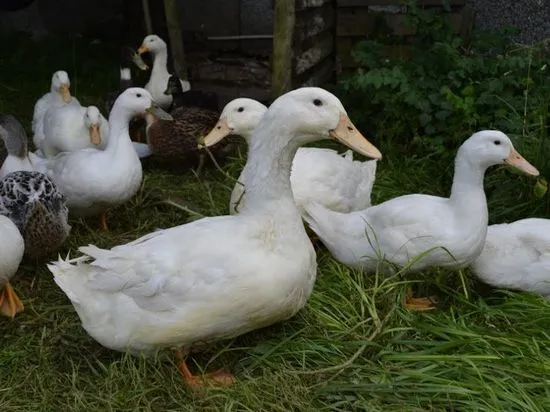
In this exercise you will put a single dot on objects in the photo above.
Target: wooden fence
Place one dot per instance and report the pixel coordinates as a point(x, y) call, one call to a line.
point(303, 44)
point(310, 43)
point(361, 19)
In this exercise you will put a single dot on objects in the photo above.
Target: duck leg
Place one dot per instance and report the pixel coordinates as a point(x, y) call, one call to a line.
point(103, 222)
point(220, 377)
point(419, 304)
point(10, 304)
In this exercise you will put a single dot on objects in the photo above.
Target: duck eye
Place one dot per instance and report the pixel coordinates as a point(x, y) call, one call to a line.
point(497, 142)
point(138, 95)
point(240, 109)
point(317, 102)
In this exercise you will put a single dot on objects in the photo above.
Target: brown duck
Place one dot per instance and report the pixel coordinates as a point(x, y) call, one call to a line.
point(175, 144)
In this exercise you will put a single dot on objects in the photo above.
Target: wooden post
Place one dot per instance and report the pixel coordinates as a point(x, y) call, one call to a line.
point(176, 42)
point(147, 16)
point(283, 33)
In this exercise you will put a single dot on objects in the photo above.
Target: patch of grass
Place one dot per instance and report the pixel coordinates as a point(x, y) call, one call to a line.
point(353, 347)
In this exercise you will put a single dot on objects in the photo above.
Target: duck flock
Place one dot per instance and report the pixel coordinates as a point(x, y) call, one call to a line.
point(188, 285)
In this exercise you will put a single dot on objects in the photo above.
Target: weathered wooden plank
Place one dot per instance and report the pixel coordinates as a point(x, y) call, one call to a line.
point(227, 93)
point(173, 26)
point(313, 21)
point(323, 47)
point(306, 4)
point(468, 18)
point(355, 23)
point(283, 33)
point(237, 71)
point(345, 45)
point(363, 23)
point(366, 3)
point(320, 75)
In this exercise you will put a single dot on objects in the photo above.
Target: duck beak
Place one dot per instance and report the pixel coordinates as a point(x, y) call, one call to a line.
point(95, 137)
point(219, 131)
point(143, 49)
point(138, 61)
point(158, 113)
point(65, 93)
point(516, 160)
point(346, 133)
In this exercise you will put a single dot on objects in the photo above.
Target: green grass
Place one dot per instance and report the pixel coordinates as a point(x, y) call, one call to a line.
point(353, 347)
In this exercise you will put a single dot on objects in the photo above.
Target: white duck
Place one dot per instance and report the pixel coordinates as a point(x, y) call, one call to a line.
point(159, 74)
point(58, 96)
point(94, 180)
point(11, 254)
point(70, 127)
point(517, 256)
point(318, 175)
point(403, 228)
point(177, 287)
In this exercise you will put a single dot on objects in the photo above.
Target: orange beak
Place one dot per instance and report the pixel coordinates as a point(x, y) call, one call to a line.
point(143, 49)
point(346, 133)
point(65, 93)
point(95, 137)
point(219, 131)
point(516, 160)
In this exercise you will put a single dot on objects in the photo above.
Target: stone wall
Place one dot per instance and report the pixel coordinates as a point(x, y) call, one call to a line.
point(532, 17)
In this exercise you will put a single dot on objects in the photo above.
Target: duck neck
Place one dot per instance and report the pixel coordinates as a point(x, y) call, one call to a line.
point(57, 96)
point(467, 192)
point(267, 171)
point(119, 138)
point(159, 63)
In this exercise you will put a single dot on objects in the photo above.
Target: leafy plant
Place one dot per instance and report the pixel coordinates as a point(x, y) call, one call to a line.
point(447, 88)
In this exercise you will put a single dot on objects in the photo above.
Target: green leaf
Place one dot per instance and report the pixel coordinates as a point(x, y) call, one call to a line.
point(540, 188)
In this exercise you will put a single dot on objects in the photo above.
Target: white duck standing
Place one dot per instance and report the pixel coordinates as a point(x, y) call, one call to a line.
point(403, 228)
point(517, 256)
point(178, 287)
point(70, 127)
point(58, 96)
point(159, 74)
point(94, 180)
point(318, 175)
point(11, 254)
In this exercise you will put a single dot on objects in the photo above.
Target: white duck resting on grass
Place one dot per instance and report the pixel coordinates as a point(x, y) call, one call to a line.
point(186, 285)
point(58, 96)
point(70, 127)
point(94, 180)
point(11, 254)
point(403, 228)
point(517, 256)
point(159, 74)
point(318, 175)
